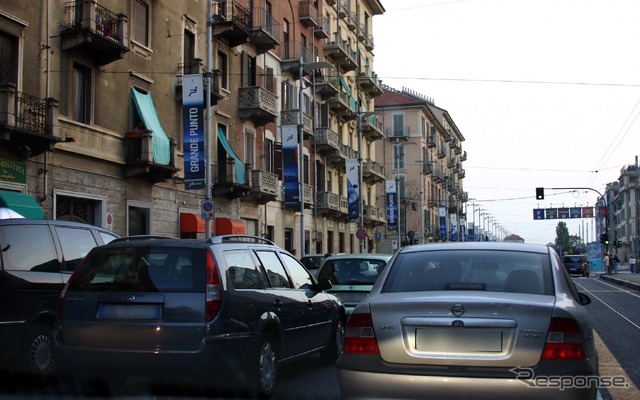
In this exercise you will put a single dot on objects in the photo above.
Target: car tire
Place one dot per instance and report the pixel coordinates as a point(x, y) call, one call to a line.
point(330, 354)
point(264, 371)
point(39, 353)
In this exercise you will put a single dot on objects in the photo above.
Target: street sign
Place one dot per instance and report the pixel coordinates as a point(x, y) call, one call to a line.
point(207, 210)
point(394, 244)
point(361, 234)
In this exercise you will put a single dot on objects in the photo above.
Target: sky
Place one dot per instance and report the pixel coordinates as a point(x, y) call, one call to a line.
point(545, 92)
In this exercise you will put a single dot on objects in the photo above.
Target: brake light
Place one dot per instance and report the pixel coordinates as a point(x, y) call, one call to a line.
point(214, 290)
point(564, 340)
point(359, 336)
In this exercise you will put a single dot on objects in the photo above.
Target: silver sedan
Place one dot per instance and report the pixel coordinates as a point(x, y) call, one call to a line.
point(471, 320)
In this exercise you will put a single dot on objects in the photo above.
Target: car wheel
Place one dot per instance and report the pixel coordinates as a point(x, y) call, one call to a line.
point(265, 368)
point(331, 353)
point(39, 355)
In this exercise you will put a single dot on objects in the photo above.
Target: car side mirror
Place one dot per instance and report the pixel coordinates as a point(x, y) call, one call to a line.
point(584, 299)
point(324, 284)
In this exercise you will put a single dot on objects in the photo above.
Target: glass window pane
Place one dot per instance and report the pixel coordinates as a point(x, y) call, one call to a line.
point(17, 244)
point(76, 244)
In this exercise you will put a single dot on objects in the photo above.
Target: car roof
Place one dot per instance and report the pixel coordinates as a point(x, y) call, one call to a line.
point(527, 247)
point(230, 240)
point(371, 256)
point(56, 222)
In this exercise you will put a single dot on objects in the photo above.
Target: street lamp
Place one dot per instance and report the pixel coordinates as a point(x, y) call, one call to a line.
point(303, 68)
point(361, 116)
point(397, 168)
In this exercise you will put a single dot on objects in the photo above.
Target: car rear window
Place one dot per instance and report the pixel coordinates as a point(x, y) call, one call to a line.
point(499, 271)
point(573, 258)
point(144, 269)
point(352, 271)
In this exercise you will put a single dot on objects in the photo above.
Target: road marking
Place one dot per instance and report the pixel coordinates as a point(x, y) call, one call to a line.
point(609, 307)
point(620, 289)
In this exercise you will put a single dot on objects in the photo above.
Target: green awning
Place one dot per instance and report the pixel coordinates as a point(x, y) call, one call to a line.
point(160, 145)
point(23, 204)
point(240, 169)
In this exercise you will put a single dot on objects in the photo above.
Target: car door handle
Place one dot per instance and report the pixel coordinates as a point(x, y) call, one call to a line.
point(277, 303)
point(309, 304)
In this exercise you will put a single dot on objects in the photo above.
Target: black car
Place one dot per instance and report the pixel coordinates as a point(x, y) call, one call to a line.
point(224, 311)
point(576, 264)
point(37, 257)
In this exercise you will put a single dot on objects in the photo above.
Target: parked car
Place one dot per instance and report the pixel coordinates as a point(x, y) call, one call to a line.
point(226, 310)
point(576, 264)
point(352, 275)
point(37, 258)
point(312, 262)
point(460, 320)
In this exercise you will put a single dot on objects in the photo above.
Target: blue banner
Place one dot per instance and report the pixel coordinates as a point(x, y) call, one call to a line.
point(292, 185)
point(472, 233)
point(443, 224)
point(454, 227)
point(353, 191)
point(392, 205)
point(193, 132)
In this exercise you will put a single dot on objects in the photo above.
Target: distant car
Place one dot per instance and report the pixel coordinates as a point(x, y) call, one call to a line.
point(312, 262)
point(352, 275)
point(37, 257)
point(576, 264)
point(223, 311)
point(470, 320)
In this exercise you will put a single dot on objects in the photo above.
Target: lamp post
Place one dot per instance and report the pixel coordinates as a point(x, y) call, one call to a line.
point(397, 168)
point(303, 68)
point(361, 115)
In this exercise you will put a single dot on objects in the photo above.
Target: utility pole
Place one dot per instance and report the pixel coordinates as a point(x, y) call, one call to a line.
point(207, 126)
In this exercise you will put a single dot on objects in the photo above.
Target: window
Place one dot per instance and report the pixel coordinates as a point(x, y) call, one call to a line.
point(398, 125)
point(69, 208)
point(189, 44)
point(285, 40)
point(81, 94)
point(243, 273)
point(248, 70)
point(274, 269)
point(223, 67)
point(287, 96)
point(300, 276)
point(398, 156)
point(269, 155)
point(139, 219)
point(8, 58)
point(141, 22)
point(19, 253)
point(75, 244)
point(250, 148)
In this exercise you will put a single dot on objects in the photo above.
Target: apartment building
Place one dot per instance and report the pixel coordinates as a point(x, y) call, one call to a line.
point(621, 220)
point(92, 123)
point(423, 157)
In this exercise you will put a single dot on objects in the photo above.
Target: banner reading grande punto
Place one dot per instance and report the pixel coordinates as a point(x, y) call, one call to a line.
point(392, 205)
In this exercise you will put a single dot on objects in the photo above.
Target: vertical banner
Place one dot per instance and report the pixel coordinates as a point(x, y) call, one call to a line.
point(443, 224)
point(472, 232)
point(290, 164)
point(463, 229)
point(392, 205)
point(193, 131)
point(454, 227)
point(353, 191)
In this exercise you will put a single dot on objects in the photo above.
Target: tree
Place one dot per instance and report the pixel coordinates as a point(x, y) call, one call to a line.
point(562, 237)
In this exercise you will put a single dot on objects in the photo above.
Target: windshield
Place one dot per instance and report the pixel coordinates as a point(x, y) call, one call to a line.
point(352, 271)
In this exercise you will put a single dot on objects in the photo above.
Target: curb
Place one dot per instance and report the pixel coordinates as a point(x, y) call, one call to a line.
point(632, 285)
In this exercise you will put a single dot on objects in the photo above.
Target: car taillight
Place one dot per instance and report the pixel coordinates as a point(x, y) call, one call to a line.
point(359, 336)
point(214, 290)
point(564, 340)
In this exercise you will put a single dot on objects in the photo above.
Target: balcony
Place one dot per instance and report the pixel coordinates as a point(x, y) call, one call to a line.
point(461, 173)
point(427, 168)
point(344, 105)
point(352, 21)
point(368, 42)
point(372, 171)
point(440, 152)
point(373, 216)
point(291, 54)
point(431, 141)
point(265, 31)
point(326, 83)
point(397, 133)
point(339, 51)
point(328, 204)
point(344, 206)
point(225, 179)
point(196, 67)
point(292, 117)
point(257, 104)
point(95, 30)
point(463, 157)
point(373, 128)
point(264, 186)
point(343, 9)
point(369, 82)
point(139, 158)
point(438, 176)
point(308, 196)
point(308, 13)
point(327, 142)
point(28, 125)
point(232, 23)
point(323, 29)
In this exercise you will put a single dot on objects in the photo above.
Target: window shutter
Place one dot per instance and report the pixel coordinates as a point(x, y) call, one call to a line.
point(8, 58)
point(277, 156)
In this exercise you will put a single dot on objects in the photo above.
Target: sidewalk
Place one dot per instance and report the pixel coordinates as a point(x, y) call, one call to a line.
point(624, 277)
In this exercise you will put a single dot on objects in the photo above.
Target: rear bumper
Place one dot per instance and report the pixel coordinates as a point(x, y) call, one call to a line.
point(368, 386)
point(217, 357)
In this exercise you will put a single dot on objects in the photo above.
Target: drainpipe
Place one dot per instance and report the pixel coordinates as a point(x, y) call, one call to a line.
point(47, 46)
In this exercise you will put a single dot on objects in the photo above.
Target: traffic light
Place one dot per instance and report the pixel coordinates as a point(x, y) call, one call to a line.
point(539, 193)
point(604, 238)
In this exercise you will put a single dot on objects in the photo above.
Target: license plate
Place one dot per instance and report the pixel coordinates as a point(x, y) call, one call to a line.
point(129, 312)
point(459, 340)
